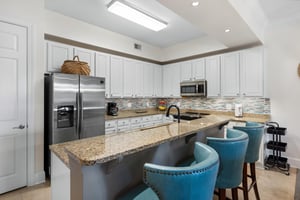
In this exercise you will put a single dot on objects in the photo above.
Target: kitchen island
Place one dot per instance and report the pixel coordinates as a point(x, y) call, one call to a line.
point(103, 167)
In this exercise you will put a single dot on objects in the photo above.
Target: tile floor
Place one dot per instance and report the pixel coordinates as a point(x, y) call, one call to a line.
point(272, 186)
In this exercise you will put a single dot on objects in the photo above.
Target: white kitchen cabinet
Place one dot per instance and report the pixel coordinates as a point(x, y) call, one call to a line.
point(123, 125)
point(171, 80)
point(230, 74)
point(111, 126)
point(135, 123)
point(88, 56)
point(157, 119)
point(116, 76)
point(139, 79)
point(102, 69)
point(251, 67)
point(148, 78)
point(57, 53)
point(157, 81)
point(133, 78)
point(186, 71)
point(212, 74)
point(192, 70)
point(198, 69)
point(130, 72)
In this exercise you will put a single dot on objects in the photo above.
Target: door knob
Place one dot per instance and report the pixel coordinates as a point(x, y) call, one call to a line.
point(21, 126)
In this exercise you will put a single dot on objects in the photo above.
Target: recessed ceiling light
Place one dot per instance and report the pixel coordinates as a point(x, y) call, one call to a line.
point(195, 3)
point(227, 30)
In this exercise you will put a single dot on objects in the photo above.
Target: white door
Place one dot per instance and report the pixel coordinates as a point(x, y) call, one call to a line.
point(13, 69)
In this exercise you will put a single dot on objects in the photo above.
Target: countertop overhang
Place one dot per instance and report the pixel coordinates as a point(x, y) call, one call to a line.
point(105, 148)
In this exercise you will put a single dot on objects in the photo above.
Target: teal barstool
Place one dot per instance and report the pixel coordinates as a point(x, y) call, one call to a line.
point(255, 132)
point(232, 151)
point(180, 183)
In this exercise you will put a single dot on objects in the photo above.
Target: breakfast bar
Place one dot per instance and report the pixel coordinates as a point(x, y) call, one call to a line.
point(104, 167)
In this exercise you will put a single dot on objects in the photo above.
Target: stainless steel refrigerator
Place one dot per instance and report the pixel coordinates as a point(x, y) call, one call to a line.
point(74, 109)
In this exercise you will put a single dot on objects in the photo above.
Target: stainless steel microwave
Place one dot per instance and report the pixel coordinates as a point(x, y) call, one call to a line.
point(193, 88)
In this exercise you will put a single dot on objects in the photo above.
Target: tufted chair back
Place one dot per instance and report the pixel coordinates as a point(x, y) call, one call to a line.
point(255, 132)
point(188, 183)
point(232, 151)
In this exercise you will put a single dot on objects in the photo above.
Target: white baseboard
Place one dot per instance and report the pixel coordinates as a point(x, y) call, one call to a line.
point(294, 162)
point(37, 179)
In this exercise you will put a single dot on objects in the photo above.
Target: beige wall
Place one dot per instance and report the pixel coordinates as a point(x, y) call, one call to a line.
point(31, 13)
point(282, 59)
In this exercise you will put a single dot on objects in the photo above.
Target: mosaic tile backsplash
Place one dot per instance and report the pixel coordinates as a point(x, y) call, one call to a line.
point(250, 104)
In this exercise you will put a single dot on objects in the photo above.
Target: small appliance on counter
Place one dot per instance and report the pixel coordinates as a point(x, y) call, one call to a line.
point(112, 109)
point(238, 111)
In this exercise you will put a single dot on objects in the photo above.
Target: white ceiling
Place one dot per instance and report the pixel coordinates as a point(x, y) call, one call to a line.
point(281, 10)
point(95, 12)
point(185, 22)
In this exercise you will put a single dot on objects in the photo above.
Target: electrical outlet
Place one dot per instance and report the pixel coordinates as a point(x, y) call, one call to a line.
point(148, 104)
point(178, 104)
point(129, 105)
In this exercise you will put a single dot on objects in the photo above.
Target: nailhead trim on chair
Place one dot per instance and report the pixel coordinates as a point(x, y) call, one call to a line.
point(173, 174)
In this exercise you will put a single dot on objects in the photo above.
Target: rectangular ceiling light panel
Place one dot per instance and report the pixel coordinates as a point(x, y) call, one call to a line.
point(135, 15)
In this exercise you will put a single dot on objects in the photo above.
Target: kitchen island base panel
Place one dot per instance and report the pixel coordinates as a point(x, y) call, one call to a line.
point(108, 180)
point(60, 179)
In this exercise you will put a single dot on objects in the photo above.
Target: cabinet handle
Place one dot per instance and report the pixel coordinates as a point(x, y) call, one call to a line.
point(244, 94)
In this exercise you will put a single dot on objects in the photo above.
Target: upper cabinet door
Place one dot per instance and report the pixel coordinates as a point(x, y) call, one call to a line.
point(129, 81)
point(157, 81)
point(57, 53)
point(139, 83)
point(230, 74)
point(102, 69)
point(252, 72)
point(148, 76)
point(186, 71)
point(86, 56)
point(171, 80)
point(116, 76)
point(198, 69)
point(212, 74)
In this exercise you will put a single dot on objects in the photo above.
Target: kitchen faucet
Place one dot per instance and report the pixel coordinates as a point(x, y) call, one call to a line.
point(178, 112)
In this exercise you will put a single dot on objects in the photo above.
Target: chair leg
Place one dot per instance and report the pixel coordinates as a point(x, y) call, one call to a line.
point(222, 194)
point(253, 177)
point(245, 183)
point(234, 193)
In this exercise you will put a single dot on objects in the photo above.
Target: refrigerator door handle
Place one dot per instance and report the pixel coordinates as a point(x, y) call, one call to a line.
point(80, 114)
point(78, 124)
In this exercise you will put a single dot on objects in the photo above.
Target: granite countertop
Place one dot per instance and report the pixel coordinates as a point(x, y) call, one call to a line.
point(262, 118)
point(105, 148)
